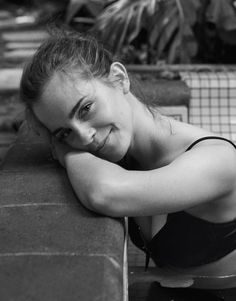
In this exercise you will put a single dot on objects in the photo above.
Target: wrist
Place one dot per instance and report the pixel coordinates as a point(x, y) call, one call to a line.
point(60, 150)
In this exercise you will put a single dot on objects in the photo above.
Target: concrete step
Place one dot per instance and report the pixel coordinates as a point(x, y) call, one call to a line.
point(18, 45)
point(22, 45)
point(10, 79)
point(18, 54)
point(25, 35)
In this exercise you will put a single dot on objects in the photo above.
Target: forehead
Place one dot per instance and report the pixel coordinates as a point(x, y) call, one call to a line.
point(62, 85)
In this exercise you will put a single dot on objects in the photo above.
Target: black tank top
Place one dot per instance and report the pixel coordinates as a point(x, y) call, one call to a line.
point(185, 240)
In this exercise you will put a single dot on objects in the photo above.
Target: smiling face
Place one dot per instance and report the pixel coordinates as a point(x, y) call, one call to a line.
point(88, 115)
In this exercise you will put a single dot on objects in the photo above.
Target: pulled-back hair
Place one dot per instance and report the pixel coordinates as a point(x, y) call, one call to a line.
point(63, 51)
point(69, 52)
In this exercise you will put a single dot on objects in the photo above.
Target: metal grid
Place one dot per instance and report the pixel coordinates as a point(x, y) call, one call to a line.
point(213, 101)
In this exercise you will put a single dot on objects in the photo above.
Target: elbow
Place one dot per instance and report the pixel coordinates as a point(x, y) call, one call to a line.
point(101, 200)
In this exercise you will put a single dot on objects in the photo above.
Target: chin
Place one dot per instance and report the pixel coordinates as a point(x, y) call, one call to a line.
point(115, 159)
point(115, 155)
point(112, 157)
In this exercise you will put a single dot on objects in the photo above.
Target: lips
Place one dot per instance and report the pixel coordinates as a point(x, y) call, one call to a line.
point(102, 144)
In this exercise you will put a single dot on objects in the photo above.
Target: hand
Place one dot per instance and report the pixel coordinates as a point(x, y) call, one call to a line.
point(59, 150)
point(36, 127)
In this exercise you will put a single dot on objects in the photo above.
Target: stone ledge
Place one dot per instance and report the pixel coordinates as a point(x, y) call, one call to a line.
point(161, 91)
point(64, 277)
point(40, 215)
point(59, 228)
point(24, 157)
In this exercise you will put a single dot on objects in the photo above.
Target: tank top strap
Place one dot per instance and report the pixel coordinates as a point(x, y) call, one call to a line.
point(209, 137)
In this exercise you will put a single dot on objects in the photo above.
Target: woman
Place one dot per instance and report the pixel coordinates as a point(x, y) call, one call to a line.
point(176, 182)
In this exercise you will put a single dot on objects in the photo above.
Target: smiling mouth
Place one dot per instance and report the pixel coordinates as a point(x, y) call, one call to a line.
point(101, 146)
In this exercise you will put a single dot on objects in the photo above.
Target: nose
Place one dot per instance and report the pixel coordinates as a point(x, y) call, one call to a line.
point(84, 132)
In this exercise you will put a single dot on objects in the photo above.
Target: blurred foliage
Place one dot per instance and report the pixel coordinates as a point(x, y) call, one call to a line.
point(93, 7)
point(43, 11)
point(169, 31)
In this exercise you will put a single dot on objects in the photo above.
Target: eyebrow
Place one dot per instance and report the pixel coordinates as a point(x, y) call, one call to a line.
point(73, 111)
point(71, 114)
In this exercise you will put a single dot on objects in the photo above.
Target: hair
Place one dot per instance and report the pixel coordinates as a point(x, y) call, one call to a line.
point(68, 52)
point(63, 51)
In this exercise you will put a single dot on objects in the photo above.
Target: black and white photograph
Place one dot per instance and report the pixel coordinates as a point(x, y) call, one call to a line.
point(117, 150)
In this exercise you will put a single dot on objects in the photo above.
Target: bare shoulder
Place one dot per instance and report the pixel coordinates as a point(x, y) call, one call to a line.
point(214, 161)
point(199, 176)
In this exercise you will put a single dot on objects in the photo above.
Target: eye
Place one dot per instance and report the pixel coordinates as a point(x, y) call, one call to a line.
point(85, 110)
point(63, 134)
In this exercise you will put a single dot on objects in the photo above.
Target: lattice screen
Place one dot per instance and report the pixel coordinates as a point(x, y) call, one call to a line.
point(213, 101)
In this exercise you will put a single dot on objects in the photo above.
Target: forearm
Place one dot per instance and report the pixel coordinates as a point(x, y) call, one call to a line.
point(91, 179)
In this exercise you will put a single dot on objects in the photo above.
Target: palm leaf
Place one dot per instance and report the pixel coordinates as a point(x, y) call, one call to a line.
point(167, 36)
point(75, 5)
point(174, 49)
point(183, 46)
point(136, 24)
point(120, 41)
point(126, 17)
point(222, 13)
point(164, 21)
point(190, 9)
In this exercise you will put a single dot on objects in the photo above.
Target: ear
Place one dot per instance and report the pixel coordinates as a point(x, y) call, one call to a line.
point(119, 74)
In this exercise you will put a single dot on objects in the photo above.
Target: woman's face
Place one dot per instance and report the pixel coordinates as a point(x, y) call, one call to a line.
point(88, 115)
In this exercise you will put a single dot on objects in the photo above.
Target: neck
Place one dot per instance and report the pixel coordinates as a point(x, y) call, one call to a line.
point(150, 133)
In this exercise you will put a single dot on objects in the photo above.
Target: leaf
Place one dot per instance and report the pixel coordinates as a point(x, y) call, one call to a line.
point(190, 9)
point(174, 48)
point(124, 17)
point(189, 42)
point(74, 6)
point(222, 14)
point(124, 31)
point(167, 23)
point(162, 24)
point(137, 25)
point(167, 34)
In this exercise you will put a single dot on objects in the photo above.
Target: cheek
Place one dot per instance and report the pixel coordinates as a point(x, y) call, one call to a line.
point(121, 112)
point(126, 120)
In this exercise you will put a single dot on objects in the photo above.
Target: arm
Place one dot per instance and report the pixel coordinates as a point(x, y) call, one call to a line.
point(200, 175)
point(90, 178)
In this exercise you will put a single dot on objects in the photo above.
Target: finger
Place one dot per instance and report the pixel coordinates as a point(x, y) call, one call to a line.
point(32, 121)
point(36, 126)
point(53, 152)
